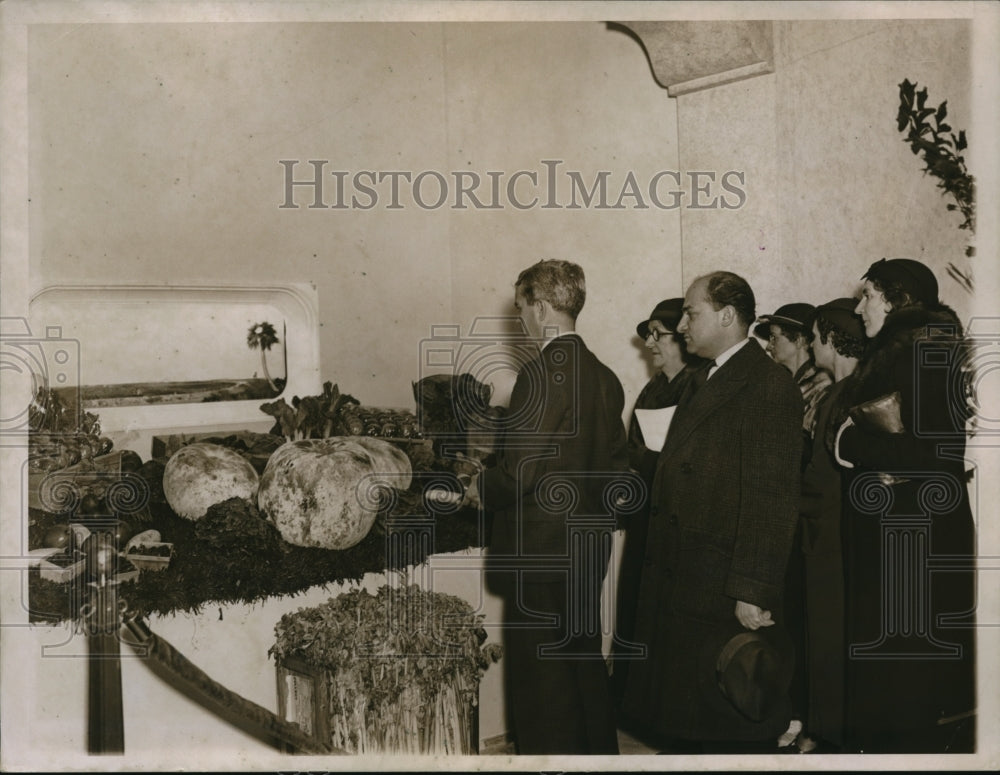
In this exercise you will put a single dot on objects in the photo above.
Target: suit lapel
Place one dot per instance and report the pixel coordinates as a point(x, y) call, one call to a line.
point(729, 380)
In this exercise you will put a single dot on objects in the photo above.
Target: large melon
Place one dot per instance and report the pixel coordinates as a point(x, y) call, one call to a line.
point(324, 492)
point(200, 475)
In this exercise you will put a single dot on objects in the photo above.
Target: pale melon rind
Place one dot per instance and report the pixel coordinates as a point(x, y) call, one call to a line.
point(200, 475)
point(320, 492)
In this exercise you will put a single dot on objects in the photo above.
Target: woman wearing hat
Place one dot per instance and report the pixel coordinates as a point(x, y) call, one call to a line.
point(675, 367)
point(837, 344)
point(901, 418)
point(788, 333)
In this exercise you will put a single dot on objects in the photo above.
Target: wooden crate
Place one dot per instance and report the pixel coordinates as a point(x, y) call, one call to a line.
point(303, 698)
point(41, 492)
point(61, 574)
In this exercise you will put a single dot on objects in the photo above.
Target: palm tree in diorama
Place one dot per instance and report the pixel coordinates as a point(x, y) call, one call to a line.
point(263, 335)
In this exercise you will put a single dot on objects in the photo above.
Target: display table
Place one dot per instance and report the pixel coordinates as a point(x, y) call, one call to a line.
point(230, 642)
point(229, 580)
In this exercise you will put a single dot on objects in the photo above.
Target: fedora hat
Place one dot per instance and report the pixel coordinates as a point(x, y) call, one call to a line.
point(668, 312)
point(749, 671)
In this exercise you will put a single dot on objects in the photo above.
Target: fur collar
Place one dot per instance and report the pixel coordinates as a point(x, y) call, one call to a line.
point(899, 334)
point(911, 323)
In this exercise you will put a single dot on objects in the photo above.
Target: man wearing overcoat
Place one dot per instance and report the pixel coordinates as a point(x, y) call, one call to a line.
point(724, 507)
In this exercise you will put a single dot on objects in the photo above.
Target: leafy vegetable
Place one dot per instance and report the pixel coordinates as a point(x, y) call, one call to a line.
point(403, 666)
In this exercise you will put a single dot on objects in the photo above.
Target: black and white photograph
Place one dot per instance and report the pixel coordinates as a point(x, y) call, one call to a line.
point(499, 386)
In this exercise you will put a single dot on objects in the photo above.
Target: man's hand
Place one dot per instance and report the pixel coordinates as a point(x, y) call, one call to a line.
point(751, 616)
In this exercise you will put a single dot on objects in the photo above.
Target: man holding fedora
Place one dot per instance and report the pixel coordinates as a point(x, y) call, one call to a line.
point(724, 504)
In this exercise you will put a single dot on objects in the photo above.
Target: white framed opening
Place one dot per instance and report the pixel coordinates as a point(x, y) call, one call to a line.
point(158, 359)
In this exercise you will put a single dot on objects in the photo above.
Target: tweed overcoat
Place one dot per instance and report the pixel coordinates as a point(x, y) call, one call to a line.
point(559, 464)
point(725, 502)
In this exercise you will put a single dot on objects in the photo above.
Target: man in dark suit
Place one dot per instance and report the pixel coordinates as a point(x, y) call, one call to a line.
point(561, 456)
point(724, 508)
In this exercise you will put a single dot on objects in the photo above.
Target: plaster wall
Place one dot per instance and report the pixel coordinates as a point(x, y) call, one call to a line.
point(831, 186)
point(155, 158)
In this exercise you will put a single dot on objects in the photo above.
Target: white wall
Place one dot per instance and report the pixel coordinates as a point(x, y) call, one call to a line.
point(831, 186)
point(156, 148)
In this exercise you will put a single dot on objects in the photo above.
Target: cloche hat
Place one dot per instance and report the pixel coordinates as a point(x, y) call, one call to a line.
point(668, 312)
point(915, 278)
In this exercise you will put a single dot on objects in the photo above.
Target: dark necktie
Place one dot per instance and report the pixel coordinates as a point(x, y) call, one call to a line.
point(698, 379)
point(701, 376)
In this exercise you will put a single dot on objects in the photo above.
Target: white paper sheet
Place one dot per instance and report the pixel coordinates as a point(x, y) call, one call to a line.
point(654, 424)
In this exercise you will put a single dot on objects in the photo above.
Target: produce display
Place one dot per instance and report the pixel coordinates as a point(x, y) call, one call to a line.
point(211, 543)
point(51, 452)
point(200, 475)
point(61, 435)
point(146, 552)
point(333, 413)
point(386, 423)
point(455, 409)
point(324, 492)
point(68, 547)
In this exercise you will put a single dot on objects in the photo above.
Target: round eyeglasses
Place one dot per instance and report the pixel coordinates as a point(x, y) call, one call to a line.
point(657, 334)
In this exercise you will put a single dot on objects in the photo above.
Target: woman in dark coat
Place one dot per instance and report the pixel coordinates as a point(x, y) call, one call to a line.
point(909, 630)
point(675, 367)
point(838, 343)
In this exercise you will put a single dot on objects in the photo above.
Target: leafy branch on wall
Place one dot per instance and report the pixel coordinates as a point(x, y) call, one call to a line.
point(941, 150)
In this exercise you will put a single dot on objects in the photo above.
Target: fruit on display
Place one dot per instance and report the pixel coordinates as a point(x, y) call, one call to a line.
point(200, 475)
point(143, 538)
point(325, 492)
point(122, 532)
point(389, 460)
point(58, 537)
point(55, 451)
point(385, 423)
point(61, 435)
point(91, 504)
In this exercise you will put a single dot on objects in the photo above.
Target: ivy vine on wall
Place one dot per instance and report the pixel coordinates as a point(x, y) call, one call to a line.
point(928, 133)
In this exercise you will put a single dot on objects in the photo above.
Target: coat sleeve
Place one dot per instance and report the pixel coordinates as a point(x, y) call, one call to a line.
point(530, 443)
point(931, 415)
point(770, 449)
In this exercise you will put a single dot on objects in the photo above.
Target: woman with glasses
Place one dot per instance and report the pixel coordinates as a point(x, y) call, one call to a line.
point(674, 369)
